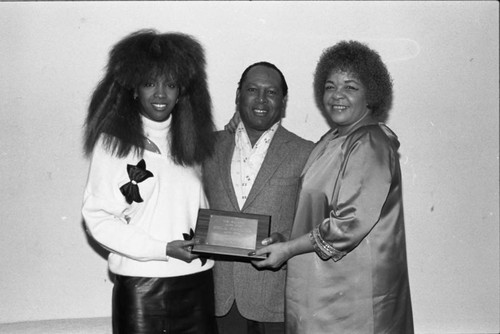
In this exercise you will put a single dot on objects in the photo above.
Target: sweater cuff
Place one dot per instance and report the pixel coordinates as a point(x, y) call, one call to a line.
point(160, 250)
point(166, 255)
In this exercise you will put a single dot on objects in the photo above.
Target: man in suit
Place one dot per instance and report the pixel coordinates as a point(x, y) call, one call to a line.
point(256, 169)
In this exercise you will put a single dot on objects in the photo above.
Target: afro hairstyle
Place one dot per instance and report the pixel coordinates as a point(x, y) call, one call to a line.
point(364, 63)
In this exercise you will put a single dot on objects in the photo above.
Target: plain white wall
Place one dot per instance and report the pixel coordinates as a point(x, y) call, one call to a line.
point(443, 57)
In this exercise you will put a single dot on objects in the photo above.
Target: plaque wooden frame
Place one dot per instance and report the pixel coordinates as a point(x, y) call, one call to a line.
point(228, 233)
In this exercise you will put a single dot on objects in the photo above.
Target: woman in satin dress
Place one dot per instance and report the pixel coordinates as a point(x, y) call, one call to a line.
point(347, 266)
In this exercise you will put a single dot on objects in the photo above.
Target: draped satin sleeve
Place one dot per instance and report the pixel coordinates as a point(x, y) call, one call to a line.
point(360, 192)
point(351, 206)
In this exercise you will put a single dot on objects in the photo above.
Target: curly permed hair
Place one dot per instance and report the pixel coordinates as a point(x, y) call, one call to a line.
point(114, 113)
point(358, 59)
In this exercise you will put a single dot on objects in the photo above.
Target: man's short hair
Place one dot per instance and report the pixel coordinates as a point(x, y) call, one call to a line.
point(284, 86)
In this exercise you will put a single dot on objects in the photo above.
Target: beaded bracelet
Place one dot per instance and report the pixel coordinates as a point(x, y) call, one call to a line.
point(317, 249)
point(326, 250)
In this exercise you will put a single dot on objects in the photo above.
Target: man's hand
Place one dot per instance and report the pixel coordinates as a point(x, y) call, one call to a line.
point(233, 123)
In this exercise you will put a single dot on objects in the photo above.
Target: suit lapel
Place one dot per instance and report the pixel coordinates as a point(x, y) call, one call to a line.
point(225, 156)
point(275, 155)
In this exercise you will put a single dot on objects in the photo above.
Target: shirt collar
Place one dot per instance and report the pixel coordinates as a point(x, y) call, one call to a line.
point(242, 139)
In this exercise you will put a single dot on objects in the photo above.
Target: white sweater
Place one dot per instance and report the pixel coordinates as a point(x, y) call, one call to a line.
point(137, 234)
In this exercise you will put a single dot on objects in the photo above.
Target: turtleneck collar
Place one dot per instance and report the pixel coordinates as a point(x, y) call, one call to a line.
point(155, 129)
point(157, 134)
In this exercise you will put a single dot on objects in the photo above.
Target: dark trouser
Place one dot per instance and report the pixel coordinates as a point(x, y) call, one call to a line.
point(234, 322)
point(184, 304)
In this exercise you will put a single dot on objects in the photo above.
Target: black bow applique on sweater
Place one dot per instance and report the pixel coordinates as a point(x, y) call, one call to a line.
point(137, 174)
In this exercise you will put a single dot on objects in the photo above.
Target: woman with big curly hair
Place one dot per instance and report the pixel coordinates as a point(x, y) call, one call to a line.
point(148, 129)
point(347, 267)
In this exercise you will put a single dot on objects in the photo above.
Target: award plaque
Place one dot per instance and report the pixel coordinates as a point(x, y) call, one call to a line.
point(230, 233)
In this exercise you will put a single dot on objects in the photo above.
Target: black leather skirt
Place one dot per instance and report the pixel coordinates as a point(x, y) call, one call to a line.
point(183, 304)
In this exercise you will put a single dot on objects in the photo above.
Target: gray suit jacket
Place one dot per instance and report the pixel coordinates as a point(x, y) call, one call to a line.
point(259, 294)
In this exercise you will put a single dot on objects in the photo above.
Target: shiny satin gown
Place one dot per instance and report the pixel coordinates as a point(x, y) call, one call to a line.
point(351, 189)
